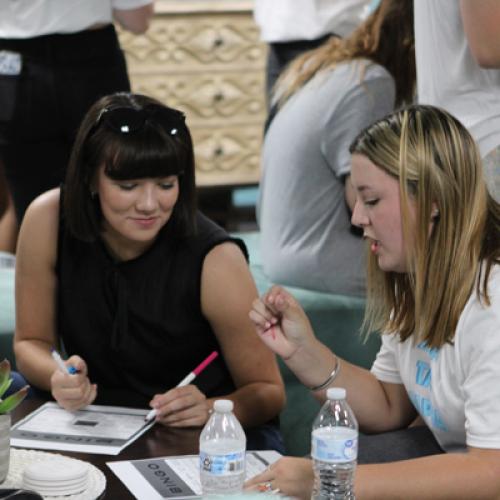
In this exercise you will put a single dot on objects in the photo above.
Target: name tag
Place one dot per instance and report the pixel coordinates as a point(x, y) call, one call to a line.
point(10, 63)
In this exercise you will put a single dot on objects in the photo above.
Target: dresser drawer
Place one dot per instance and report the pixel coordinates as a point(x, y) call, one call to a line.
point(190, 42)
point(209, 98)
point(227, 155)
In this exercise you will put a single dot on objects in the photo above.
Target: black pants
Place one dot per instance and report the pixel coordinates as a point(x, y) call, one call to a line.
point(404, 444)
point(42, 107)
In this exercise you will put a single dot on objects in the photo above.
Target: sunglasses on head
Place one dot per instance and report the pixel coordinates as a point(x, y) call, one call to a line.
point(127, 120)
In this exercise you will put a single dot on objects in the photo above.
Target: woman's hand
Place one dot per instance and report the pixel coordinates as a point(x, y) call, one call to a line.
point(281, 322)
point(291, 476)
point(181, 407)
point(73, 392)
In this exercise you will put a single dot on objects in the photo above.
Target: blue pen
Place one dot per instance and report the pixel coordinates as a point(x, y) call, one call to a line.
point(60, 363)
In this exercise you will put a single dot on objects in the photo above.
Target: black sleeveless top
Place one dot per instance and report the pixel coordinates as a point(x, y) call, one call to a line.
point(138, 324)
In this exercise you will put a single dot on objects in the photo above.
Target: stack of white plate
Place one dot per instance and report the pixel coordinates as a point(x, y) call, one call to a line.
point(56, 477)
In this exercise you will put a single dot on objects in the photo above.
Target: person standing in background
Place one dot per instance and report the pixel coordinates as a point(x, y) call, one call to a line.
point(291, 27)
point(457, 46)
point(57, 57)
point(324, 99)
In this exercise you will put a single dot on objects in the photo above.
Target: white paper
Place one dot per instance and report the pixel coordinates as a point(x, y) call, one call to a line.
point(94, 429)
point(177, 477)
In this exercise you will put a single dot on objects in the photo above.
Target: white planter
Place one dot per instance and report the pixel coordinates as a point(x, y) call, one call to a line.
point(4, 446)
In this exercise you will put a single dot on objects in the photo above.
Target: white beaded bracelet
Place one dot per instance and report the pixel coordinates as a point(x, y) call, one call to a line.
point(330, 378)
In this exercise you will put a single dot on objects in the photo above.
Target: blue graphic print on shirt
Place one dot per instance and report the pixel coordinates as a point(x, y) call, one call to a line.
point(433, 352)
point(423, 378)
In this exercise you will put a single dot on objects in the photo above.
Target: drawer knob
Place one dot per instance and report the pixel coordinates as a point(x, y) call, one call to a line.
point(218, 42)
point(218, 151)
point(218, 97)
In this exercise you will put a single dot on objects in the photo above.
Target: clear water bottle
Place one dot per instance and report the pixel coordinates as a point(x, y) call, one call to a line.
point(222, 452)
point(334, 448)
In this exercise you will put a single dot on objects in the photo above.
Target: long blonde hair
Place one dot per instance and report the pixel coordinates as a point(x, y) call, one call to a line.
point(385, 37)
point(439, 167)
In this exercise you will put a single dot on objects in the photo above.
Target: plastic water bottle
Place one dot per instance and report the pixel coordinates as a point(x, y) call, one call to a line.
point(222, 452)
point(334, 448)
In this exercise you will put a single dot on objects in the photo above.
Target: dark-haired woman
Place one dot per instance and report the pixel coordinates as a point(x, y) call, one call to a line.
point(138, 285)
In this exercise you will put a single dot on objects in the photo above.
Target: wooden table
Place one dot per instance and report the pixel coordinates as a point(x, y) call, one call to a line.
point(158, 441)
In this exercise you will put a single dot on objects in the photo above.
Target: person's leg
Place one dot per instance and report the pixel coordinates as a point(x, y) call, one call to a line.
point(8, 229)
point(403, 444)
point(62, 78)
point(29, 140)
point(94, 67)
point(8, 223)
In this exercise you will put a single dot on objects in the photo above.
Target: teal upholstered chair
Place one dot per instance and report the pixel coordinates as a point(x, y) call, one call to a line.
point(336, 320)
point(7, 313)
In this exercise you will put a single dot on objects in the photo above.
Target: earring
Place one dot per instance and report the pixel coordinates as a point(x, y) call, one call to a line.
point(93, 194)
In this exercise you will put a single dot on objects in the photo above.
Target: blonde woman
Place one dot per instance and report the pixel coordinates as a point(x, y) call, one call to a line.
point(325, 99)
point(434, 290)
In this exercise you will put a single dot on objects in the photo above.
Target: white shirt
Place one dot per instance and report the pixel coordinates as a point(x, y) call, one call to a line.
point(287, 20)
point(456, 388)
point(449, 76)
point(30, 18)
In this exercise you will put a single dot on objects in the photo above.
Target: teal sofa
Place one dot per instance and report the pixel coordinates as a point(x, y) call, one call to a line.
point(7, 312)
point(336, 320)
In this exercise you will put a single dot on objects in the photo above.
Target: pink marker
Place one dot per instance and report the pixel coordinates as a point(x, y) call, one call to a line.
point(188, 379)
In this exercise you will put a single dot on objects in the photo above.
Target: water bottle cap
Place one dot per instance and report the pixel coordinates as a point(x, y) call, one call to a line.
point(223, 405)
point(335, 393)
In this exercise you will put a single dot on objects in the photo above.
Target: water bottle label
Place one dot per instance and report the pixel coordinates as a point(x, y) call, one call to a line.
point(222, 465)
point(334, 450)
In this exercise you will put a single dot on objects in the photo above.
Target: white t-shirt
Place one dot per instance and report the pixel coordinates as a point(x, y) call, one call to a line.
point(456, 389)
point(287, 20)
point(449, 76)
point(30, 18)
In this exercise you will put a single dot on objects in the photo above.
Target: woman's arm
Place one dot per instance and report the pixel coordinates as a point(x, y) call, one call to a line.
point(36, 290)
point(481, 19)
point(458, 476)
point(36, 287)
point(134, 20)
point(283, 326)
point(468, 476)
point(227, 292)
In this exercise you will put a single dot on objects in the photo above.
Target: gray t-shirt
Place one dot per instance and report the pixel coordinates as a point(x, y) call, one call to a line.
point(306, 237)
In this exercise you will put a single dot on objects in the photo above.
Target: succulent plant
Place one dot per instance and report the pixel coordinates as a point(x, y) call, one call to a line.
point(9, 403)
